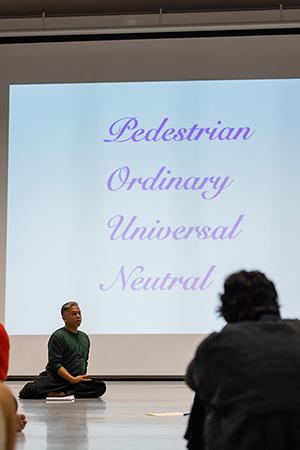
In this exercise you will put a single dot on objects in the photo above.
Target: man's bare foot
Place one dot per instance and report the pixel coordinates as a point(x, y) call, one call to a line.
point(20, 422)
point(56, 394)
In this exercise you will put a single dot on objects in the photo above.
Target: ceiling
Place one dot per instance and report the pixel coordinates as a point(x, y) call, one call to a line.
point(35, 8)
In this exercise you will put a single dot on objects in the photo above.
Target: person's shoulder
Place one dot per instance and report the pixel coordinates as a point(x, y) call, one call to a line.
point(242, 329)
point(60, 332)
point(292, 324)
point(207, 343)
point(84, 335)
point(229, 332)
point(256, 329)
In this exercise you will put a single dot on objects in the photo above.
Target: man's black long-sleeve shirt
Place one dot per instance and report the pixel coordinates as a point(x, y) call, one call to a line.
point(68, 350)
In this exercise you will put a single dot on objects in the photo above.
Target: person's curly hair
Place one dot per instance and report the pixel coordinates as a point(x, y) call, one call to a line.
point(248, 296)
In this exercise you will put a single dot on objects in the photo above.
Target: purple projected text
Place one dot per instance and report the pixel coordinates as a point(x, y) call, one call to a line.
point(128, 129)
point(209, 186)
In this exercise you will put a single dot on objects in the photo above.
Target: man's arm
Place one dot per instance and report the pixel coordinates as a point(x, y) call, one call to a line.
point(56, 347)
point(88, 354)
point(62, 372)
point(200, 371)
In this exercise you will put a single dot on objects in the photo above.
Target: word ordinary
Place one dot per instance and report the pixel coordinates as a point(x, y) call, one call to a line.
point(163, 180)
point(129, 129)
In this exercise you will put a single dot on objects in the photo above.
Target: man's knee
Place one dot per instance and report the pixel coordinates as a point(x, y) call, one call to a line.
point(29, 391)
point(89, 389)
point(26, 391)
point(102, 388)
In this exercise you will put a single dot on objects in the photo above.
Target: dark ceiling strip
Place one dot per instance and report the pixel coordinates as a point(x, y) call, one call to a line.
point(94, 8)
point(148, 35)
point(15, 14)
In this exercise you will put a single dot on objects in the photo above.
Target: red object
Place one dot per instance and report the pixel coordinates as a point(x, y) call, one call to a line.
point(4, 353)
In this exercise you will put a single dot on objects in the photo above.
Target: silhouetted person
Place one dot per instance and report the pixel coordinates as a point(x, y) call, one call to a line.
point(246, 378)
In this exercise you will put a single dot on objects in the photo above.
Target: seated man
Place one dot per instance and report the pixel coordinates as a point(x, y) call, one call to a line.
point(65, 374)
point(246, 377)
point(20, 419)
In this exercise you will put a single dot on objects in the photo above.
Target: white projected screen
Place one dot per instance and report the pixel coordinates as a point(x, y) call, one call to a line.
point(137, 199)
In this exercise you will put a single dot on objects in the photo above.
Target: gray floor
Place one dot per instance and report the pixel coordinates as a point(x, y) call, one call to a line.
point(115, 423)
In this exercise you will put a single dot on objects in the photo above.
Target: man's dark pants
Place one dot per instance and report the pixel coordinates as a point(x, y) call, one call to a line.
point(50, 382)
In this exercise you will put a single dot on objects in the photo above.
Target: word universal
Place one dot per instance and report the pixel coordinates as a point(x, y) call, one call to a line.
point(128, 129)
point(128, 230)
point(163, 180)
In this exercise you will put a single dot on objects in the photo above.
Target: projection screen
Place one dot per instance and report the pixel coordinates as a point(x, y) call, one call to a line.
point(135, 176)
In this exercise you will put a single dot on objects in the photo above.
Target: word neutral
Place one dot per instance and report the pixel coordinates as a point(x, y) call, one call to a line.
point(135, 280)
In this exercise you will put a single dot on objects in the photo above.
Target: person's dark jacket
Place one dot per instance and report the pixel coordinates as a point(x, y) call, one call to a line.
point(247, 384)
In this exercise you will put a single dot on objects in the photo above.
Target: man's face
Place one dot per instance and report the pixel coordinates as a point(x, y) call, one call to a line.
point(72, 317)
